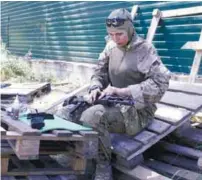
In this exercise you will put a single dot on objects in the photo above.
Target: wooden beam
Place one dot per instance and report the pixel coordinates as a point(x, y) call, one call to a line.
point(154, 23)
point(141, 172)
point(197, 46)
point(134, 11)
point(196, 63)
point(182, 12)
point(199, 163)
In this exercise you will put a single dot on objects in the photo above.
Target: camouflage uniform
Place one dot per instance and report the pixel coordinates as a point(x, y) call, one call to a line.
point(136, 66)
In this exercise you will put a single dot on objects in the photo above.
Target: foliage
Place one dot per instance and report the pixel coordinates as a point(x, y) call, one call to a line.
point(18, 69)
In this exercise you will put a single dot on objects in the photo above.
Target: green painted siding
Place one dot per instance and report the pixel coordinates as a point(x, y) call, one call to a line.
point(75, 31)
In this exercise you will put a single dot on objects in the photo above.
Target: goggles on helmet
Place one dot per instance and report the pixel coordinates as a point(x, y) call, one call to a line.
point(115, 22)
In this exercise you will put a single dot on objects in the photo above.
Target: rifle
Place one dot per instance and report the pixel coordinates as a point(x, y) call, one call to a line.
point(78, 103)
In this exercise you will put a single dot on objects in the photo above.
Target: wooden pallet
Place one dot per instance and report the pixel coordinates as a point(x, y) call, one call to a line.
point(26, 141)
point(44, 165)
point(26, 92)
point(174, 110)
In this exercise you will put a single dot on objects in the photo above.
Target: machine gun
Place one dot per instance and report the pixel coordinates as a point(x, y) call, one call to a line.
point(77, 104)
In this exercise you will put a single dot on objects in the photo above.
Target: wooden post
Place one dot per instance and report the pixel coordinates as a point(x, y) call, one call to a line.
point(4, 165)
point(154, 23)
point(197, 46)
point(134, 11)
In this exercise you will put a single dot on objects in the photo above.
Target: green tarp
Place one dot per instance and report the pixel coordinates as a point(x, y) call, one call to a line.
point(57, 123)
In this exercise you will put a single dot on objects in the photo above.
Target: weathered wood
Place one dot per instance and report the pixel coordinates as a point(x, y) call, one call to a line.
point(145, 137)
point(23, 88)
point(179, 149)
point(190, 136)
point(197, 46)
point(170, 114)
point(129, 164)
point(8, 178)
point(14, 135)
point(37, 178)
point(19, 126)
point(3, 131)
point(134, 11)
point(141, 173)
point(25, 149)
point(158, 126)
point(154, 23)
point(178, 99)
point(123, 145)
point(89, 147)
point(171, 170)
point(196, 63)
point(180, 161)
point(62, 133)
point(182, 12)
point(77, 91)
point(79, 163)
point(199, 163)
point(185, 87)
point(4, 165)
point(159, 137)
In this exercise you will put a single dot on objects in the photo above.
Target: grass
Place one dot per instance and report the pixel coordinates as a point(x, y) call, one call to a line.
point(17, 69)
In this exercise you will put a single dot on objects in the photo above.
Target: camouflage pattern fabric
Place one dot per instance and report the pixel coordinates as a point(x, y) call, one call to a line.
point(118, 119)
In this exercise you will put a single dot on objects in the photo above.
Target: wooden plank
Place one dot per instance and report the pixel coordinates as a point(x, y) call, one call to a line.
point(62, 133)
point(154, 23)
point(77, 91)
point(134, 11)
point(123, 145)
point(3, 131)
point(199, 163)
point(37, 178)
point(145, 137)
point(25, 149)
point(190, 136)
point(7, 178)
point(182, 12)
point(170, 114)
point(197, 46)
point(178, 99)
point(171, 170)
point(141, 172)
point(196, 63)
point(158, 126)
point(68, 177)
point(179, 161)
point(182, 150)
point(19, 126)
point(79, 163)
point(4, 165)
point(10, 135)
point(22, 88)
point(128, 164)
point(185, 87)
point(145, 147)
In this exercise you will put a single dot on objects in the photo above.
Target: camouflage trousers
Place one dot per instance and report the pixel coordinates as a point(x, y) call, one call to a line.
point(118, 119)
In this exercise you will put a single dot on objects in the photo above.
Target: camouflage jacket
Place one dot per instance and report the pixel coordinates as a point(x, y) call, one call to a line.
point(137, 66)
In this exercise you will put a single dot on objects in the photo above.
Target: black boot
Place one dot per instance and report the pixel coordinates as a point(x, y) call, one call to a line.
point(103, 165)
point(103, 171)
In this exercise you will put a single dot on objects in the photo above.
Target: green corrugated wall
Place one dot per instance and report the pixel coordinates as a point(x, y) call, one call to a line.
point(75, 31)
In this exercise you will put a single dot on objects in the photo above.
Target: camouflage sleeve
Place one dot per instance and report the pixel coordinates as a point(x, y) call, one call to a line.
point(157, 80)
point(100, 76)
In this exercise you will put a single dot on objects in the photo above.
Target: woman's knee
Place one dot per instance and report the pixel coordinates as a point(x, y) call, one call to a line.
point(93, 115)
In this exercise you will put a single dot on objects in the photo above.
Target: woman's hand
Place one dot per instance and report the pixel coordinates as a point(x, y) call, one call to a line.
point(94, 94)
point(110, 90)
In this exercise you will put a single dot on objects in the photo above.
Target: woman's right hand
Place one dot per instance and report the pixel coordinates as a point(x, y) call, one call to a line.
point(94, 94)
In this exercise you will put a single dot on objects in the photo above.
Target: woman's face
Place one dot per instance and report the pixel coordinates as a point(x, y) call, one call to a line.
point(120, 37)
